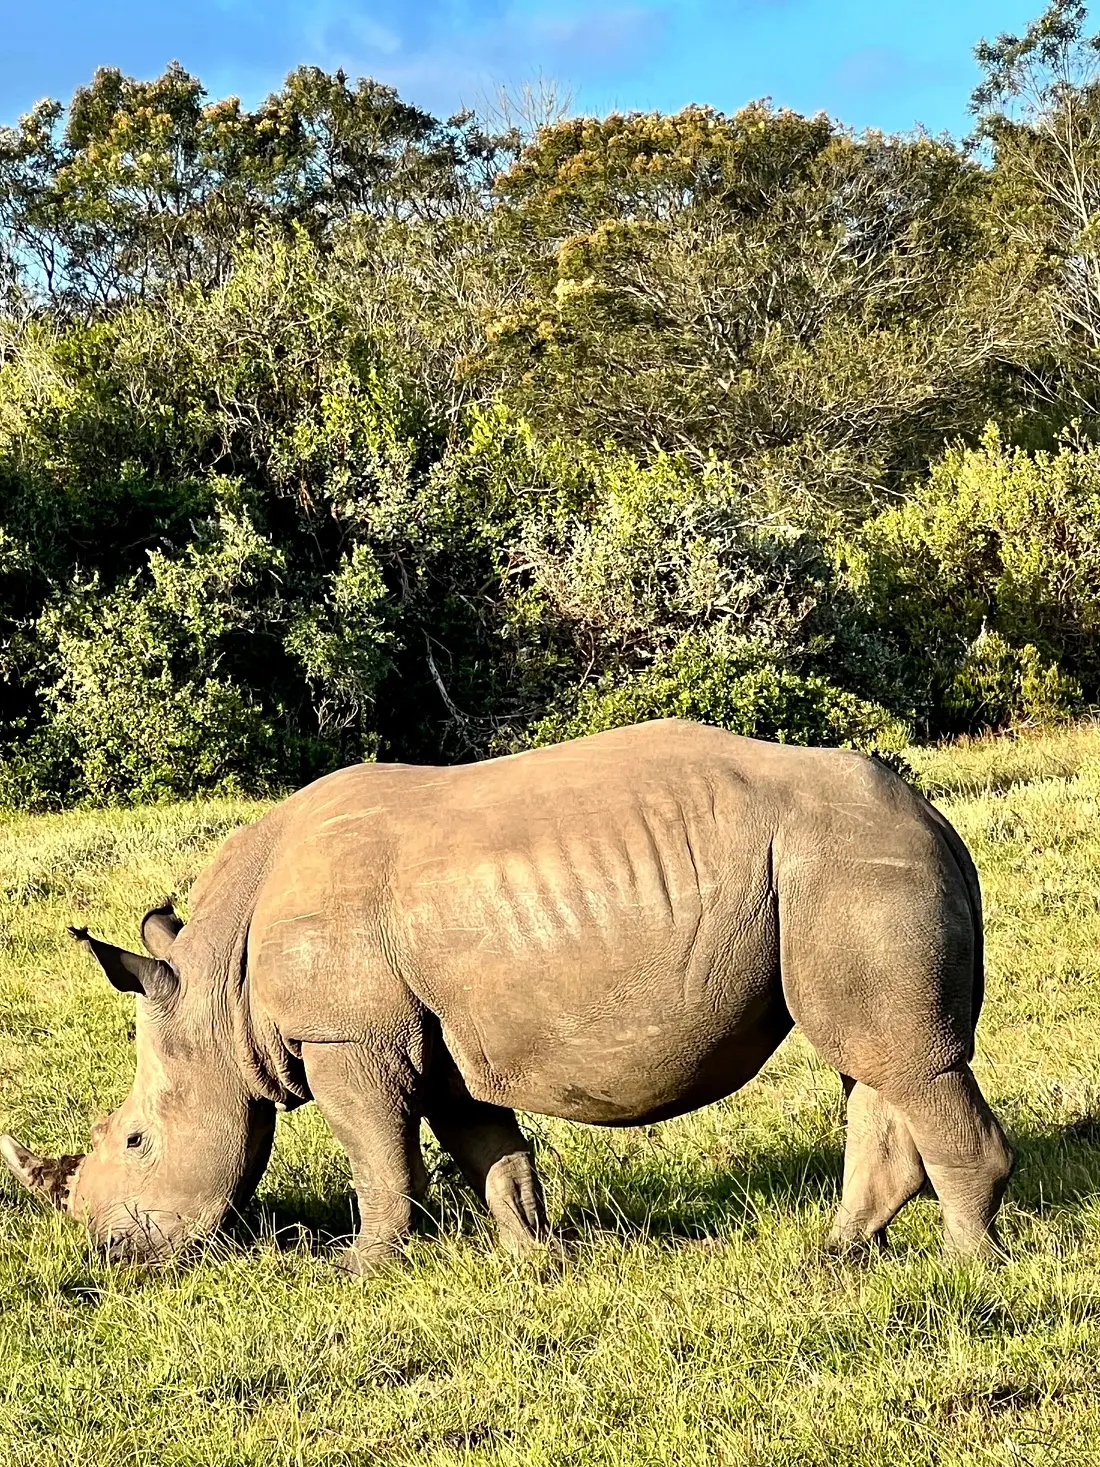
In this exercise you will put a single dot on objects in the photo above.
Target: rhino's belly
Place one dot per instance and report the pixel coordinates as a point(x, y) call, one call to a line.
point(660, 1026)
point(604, 959)
point(618, 1076)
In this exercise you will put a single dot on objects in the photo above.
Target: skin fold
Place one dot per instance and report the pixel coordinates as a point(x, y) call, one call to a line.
point(613, 931)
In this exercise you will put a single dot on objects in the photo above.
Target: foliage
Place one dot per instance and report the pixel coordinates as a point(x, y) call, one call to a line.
point(990, 576)
point(763, 287)
point(330, 430)
point(140, 186)
point(1038, 107)
point(139, 681)
point(734, 688)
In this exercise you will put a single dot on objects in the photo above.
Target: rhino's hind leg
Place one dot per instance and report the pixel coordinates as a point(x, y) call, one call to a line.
point(888, 994)
point(960, 1144)
point(496, 1161)
point(966, 1156)
point(882, 1170)
point(367, 1102)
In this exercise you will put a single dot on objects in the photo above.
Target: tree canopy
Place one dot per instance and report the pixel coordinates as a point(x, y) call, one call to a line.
point(332, 430)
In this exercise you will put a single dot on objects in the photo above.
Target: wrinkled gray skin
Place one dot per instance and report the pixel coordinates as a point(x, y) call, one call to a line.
point(613, 930)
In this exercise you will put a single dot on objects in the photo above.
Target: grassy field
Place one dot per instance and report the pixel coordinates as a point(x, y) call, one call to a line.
point(695, 1320)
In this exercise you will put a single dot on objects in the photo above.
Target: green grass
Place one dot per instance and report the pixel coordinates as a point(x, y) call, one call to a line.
point(695, 1320)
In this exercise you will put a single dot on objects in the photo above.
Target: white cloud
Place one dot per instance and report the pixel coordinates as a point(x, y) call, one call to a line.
point(451, 55)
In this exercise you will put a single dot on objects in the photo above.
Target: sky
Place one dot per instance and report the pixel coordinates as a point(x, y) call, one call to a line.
point(889, 64)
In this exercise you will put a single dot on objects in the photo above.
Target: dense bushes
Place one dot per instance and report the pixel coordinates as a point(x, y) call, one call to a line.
point(328, 452)
point(988, 583)
point(369, 585)
point(734, 689)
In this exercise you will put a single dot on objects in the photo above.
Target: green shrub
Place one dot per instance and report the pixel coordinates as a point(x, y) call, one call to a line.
point(648, 555)
point(987, 582)
point(733, 689)
point(241, 542)
point(997, 684)
point(138, 685)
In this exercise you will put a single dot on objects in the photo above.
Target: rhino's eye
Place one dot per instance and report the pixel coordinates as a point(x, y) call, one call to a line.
point(134, 1138)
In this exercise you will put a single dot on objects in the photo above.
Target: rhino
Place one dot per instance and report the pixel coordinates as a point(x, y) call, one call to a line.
point(613, 930)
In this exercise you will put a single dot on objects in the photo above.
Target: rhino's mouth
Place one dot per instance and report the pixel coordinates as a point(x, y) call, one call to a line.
point(149, 1237)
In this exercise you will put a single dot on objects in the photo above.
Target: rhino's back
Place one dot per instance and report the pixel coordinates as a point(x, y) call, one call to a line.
point(570, 924)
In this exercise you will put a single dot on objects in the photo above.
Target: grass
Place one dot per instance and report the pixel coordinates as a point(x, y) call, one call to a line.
point(695, 1321)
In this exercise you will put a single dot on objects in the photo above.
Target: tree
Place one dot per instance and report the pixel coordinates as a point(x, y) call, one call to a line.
point(1038, 108)
point(764, 287)
point(140, 187)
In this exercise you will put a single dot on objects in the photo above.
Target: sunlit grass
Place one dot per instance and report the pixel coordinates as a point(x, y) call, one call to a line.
point(694, 1320)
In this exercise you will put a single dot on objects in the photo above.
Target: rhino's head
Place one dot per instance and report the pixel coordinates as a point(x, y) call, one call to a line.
point(189, 1142)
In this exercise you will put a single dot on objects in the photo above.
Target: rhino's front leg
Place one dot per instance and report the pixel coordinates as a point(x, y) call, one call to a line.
point(367, 1099)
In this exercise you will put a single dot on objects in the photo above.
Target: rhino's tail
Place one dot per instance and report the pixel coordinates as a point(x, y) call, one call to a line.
point(969, 873)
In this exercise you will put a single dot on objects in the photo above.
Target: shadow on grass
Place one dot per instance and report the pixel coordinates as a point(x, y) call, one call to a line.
point(296, 1221)
point(320, 1222)
point(1057, 1169)
point(640, 1200)
point(700, 1201)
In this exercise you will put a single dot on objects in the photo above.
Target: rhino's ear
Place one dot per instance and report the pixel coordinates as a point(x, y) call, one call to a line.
point(160, 927)
point(131, 972)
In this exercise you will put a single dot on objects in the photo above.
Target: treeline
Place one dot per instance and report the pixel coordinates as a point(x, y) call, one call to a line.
point(331, 430)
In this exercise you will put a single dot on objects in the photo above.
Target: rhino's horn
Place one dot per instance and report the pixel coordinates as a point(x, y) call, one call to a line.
point(47, 1176)
point(21, 1161)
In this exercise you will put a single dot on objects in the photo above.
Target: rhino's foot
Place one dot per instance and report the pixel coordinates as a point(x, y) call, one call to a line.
point(362, 1260)
point(985, 1248)
point(855, 1247)
point(545, 1261)
point(521, 1244)
point(513, 1195)
point(547, 1250)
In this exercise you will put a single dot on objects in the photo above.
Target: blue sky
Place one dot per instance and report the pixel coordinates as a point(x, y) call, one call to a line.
point(871, 63)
